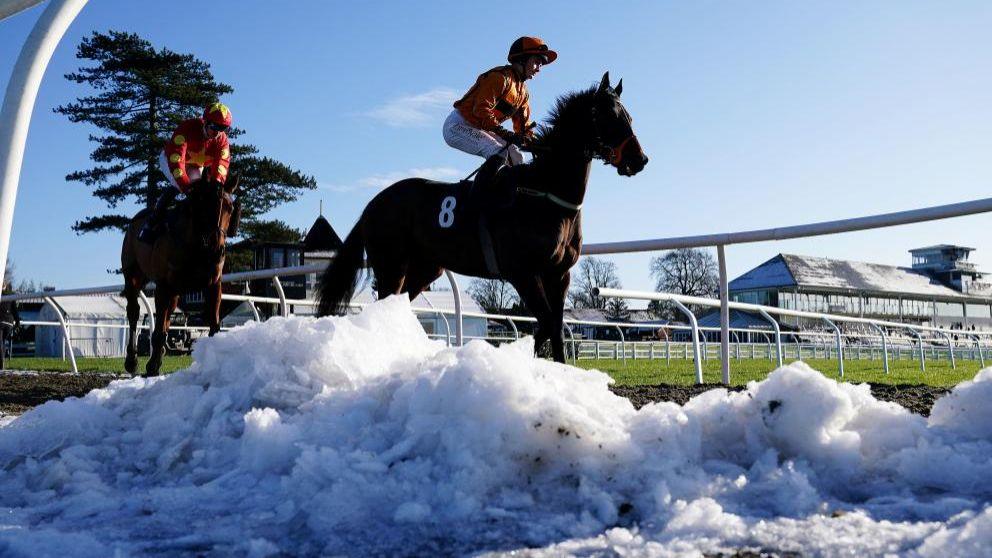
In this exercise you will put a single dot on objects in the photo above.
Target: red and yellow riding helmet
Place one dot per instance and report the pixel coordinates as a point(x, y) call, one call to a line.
point(218, 114)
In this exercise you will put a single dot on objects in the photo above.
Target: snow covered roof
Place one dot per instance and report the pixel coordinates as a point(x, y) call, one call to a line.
point(808, 272)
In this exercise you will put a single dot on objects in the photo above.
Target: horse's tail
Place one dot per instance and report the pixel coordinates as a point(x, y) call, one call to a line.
point(341, 278)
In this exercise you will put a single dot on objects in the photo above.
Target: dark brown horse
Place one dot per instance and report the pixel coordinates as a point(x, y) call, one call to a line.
point(189, 256)
point(416, 228)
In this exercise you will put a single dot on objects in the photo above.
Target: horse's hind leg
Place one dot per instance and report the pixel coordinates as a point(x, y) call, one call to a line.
point(531, 291)
point(419, 278)
point(389, 280)
point(131, 293)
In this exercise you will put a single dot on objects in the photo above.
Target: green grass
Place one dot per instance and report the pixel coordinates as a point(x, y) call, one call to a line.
point(651, 372)
point(112, 365)
point(633, 372)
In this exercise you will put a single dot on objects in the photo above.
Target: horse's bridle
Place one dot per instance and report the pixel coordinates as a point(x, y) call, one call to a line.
point(219, 230)
point(610, 154)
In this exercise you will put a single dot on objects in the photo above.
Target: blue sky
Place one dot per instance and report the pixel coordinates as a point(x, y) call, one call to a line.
point(754, 115)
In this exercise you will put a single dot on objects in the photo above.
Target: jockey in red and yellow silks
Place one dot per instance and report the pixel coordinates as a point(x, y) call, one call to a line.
point(500, 94)
point(190, 153)
point(197, 148)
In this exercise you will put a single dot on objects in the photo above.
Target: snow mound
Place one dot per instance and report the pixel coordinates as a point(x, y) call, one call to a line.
point(361, 436)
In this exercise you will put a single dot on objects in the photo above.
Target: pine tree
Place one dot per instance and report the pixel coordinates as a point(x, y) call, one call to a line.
point(140, 96)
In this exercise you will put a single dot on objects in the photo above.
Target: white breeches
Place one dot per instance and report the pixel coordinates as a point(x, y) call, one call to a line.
point(192, 171)
point(464, 137)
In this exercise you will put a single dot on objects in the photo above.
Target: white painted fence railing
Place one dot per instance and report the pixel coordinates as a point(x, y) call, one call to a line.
point(829, 319)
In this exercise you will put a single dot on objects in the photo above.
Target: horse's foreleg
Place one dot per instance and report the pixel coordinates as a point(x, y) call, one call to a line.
point(556, 288)
point(211, 306)
point(133, 313)
point(165, 304)
point(531, 291)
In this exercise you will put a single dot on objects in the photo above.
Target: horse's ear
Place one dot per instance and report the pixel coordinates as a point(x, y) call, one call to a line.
point(605, 84)
point(619, 88)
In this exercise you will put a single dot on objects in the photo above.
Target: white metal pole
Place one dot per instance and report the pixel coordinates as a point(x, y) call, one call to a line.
point(919, 338)
point(18, 103)
point(778, 335)
point(459, 328)
point(724, 316)
point(981, 354)
point(950, 349)
point(885, 346)
point(283, 306)
point(695, 339)
point(67, 339)
point(840, 348)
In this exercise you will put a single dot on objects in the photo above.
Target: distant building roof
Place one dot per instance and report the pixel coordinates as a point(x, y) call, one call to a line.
point(788, 270)
point(940, 247)
point(321, 237)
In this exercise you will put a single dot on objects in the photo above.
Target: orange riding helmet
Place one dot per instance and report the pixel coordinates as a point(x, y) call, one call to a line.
point(526, 46)
point(218, 114)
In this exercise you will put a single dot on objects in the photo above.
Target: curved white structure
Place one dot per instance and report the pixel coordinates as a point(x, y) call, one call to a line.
point(18, 102)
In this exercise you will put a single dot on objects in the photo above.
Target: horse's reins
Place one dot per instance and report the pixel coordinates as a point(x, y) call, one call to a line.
point(610, 154)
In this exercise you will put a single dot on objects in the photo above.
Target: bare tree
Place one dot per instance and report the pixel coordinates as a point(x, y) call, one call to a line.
point(589, 274)
point(686, 271)
point(492, 295)
point(617, 310)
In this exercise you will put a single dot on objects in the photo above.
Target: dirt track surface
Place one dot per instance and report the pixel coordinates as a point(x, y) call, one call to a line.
point(19, 391)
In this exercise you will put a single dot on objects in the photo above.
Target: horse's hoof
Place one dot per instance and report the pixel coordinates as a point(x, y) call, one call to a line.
point(152, 368)
point(130, 365)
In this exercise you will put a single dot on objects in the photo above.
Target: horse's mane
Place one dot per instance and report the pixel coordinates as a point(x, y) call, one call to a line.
point(566, 109)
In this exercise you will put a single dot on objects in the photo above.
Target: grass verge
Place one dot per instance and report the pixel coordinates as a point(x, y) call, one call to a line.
point(629, 373)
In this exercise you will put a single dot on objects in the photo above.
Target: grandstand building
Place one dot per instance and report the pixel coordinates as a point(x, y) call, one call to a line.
point(941, 289)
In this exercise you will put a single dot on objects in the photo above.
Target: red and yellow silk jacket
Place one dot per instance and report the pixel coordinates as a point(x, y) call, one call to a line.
point(190, 147)
point(497, 95)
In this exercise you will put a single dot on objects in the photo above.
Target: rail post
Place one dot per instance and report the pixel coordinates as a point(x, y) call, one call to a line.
point(695, 339)
point(724, 316)
point(67, 339)
point(919, 339)
point(981, 354)
point(459, 323)
point(623, 344)
point(840, 348)
point(778, 336)
point(885, 346)
point(571, 336)
point(283, 307)
point(950, 348)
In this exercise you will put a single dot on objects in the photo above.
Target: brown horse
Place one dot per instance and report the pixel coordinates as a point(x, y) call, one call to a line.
point(188, 256)
point(416, 228)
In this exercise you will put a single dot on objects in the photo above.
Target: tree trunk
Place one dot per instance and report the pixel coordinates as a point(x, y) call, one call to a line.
point(150, 191)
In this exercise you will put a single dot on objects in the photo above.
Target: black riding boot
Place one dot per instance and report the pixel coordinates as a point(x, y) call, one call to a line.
point(148, 232)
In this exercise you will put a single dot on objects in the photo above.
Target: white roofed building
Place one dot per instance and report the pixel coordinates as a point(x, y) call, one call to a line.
point(941, 289)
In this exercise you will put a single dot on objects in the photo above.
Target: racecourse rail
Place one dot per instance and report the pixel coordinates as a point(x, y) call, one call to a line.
point(717, 240)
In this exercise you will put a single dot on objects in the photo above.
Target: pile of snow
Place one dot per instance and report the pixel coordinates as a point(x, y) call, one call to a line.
point(361, 436)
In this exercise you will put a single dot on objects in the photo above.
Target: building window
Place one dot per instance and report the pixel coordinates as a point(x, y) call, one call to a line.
point(277, 256)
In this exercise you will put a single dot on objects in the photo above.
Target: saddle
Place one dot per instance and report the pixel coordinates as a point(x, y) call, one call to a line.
point(170, 222)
